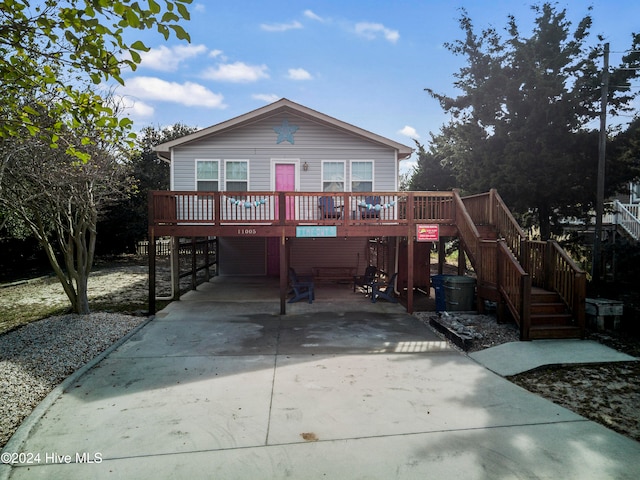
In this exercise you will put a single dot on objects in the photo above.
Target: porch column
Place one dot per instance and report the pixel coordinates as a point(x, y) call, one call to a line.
point(284, 274)
point(151, 252)
point(442, 254)
point(410, 253)
point(174, 259)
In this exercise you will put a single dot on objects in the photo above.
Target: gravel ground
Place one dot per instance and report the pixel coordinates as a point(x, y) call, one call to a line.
point(35, 358)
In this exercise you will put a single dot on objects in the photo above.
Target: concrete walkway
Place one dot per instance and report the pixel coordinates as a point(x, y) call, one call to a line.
point(221, 386)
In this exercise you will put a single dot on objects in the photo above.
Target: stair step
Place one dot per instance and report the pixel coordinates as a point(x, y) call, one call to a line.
point(540, 332)
point(555, 319)
point(543, 296)
point(548, 307)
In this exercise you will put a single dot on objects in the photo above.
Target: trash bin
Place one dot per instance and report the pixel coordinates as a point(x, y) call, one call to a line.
point(437, 281)
point(459, 293)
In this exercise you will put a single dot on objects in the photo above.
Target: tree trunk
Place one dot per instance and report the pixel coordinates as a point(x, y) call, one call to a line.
point(545, 222)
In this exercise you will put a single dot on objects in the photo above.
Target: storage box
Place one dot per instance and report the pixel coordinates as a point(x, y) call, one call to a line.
point(603, 314)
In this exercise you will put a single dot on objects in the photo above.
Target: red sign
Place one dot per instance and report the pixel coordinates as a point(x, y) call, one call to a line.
point(427, 233)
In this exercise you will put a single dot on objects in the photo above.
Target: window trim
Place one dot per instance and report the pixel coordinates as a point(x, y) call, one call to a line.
point(373, 173)
point(237, 160)
point(344, 174)
point(201, 160)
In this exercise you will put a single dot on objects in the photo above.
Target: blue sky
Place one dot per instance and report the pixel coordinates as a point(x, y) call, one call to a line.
point(365, 62)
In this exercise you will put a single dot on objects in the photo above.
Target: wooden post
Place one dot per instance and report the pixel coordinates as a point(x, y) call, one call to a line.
point(492, 206)
point(410, 255)
point(175, 267)
point(282, 209)
point(525, 308)
point(442, 255)
point(152, 271)
point(207, 274)
point(284, 273)
point(194, 271)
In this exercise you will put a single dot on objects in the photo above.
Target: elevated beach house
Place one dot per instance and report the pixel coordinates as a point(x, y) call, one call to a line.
point(287, 187)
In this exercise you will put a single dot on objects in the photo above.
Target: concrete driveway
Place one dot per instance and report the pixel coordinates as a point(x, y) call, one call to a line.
point(219, 385)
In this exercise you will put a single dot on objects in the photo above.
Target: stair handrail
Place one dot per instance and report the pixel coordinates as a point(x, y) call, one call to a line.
point(514, 286)
point(566, 278)
point(507, 226)
point(624, 217)
point(467, 229)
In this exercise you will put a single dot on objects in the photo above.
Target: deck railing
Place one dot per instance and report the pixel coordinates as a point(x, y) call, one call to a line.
point(480, 208)
point(533, 253)
point(289, 208)
point(507, 227)
point(566, 278)
point(628, 217)
point(468, 232)
point(514, 285)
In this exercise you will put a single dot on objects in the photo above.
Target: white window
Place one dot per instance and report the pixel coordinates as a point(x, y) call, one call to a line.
point(236, 175)
point(207, 175)
point(332, 176)
point(361, 176)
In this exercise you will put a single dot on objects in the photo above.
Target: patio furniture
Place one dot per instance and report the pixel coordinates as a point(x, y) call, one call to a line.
point(384, 290)
point(371, 209)
point(367, 280)
point(328, 208)
point(302, 289)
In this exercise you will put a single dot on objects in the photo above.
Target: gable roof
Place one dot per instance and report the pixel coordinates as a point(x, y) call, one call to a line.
point(280, 106)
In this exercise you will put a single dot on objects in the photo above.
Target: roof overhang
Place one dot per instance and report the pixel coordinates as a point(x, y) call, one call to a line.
point(281, 106)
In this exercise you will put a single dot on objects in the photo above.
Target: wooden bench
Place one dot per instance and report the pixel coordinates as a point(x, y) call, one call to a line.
point(334, 274)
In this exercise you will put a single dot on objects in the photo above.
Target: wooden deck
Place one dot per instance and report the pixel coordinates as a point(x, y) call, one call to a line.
point(507, 264)
point(274, 214)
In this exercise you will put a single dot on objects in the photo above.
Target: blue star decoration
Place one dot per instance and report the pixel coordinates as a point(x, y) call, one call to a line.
point(285, 132)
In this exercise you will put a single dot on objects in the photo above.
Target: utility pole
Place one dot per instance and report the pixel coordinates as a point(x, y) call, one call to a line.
point(597, 248)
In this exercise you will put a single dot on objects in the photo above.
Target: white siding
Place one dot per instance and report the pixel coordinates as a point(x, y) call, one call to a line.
point(313, 142)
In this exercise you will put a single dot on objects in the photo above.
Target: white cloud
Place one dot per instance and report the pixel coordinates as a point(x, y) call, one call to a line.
point(188, 93)
point(266, 97)
point(216, 54)
point(238, 72)
point(372, 30)
point(168, 59)
point(409, 132)
point(199, 7)
point(134, 108)
point(281, 27)
point(313, 16)
point(299, 74)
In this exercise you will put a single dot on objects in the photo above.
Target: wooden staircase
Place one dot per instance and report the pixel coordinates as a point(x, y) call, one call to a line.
point(550, 317)
point(535, 282)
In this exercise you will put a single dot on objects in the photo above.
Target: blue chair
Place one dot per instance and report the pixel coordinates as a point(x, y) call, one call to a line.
point(301, 288)
point(328, 208)
point(367, 280)
point(370, 212)
point(384, 290)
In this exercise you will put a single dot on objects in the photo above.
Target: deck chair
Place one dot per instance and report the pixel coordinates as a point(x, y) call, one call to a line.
point(384, 290)
point(370, 212)
point(328, 208)
point(301, 288)
point(365, 281)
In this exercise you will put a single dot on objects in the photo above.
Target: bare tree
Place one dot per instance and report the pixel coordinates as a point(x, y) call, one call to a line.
point(59, 199)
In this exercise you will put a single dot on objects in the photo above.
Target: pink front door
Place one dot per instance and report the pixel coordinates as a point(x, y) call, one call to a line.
point(286, 182)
